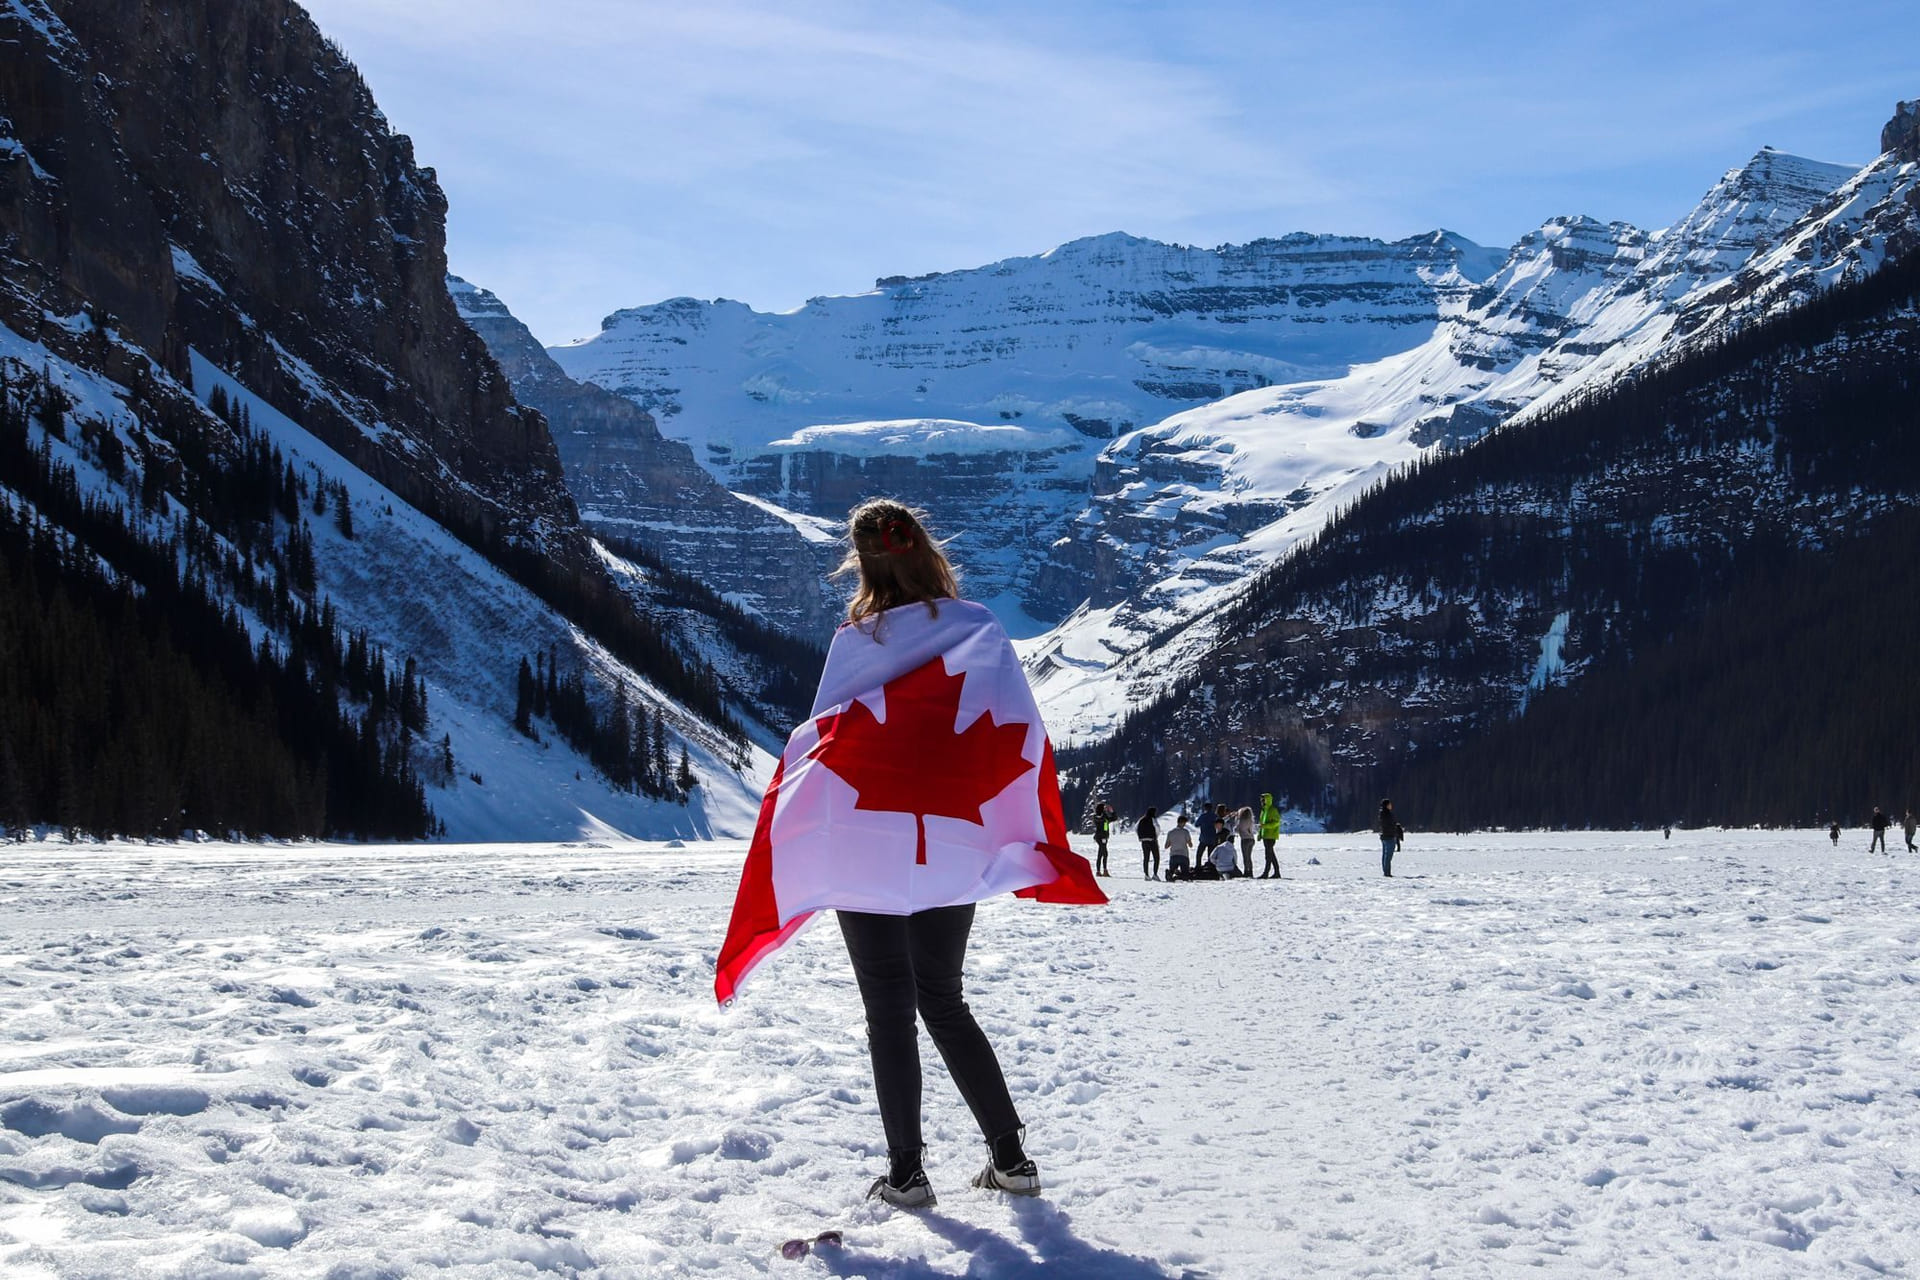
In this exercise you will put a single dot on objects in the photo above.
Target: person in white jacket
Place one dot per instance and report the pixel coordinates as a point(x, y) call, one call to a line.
point(1223, 859)
point(1245, 830)
point(1179, 846)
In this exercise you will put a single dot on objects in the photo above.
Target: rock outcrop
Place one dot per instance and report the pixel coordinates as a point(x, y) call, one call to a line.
point(1901, 136)
point(634, 484)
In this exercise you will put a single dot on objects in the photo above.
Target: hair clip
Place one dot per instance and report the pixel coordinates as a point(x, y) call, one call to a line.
point(896, 536)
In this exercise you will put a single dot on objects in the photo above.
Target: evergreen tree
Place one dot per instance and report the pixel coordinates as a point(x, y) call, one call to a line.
point(659, 755)
point(620, 732)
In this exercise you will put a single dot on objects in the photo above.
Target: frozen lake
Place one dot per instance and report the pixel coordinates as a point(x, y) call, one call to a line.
point(1609, 1054)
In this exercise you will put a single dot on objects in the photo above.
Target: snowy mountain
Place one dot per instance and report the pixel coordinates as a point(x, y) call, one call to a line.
point(1185, 512)
point(1866, 221)
point(233, 370)
point(1624, 532)
point(985, 395)
point(1300, 371)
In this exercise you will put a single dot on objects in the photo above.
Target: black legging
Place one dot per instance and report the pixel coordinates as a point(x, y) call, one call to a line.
point(1273, 864)
point(912, 963)
point(1149, 859)
point(1100, 863)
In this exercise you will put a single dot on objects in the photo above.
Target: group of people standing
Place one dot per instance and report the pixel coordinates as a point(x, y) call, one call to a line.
point(1205, 849)
point(1203, 846)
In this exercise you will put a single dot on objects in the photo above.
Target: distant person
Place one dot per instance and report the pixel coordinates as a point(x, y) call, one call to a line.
point(1207, 830)
point(1179, 846)
point(1243, 829)
point(1269, 832)
point(1879, 822)
point(1102, 828)
point(1148, 829)
point(1223, 859)
point(1833, 834)
point(1669, 831)
point(1392, 834)
point(1909, 826)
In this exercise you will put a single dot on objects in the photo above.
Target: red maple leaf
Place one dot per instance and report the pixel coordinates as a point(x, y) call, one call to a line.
point(914, 761)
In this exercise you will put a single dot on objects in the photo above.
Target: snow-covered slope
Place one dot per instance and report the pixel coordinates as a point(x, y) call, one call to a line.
point(985, 394)
point(1185, 511)
point(420, 592)
point(406, 580)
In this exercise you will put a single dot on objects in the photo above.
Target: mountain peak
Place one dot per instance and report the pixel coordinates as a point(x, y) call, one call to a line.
point(1782, 171)
point(1902, 134)
point(1109, 242)
point(472, 301)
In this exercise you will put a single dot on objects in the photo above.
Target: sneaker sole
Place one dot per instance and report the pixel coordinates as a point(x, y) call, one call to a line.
point(985, 1183)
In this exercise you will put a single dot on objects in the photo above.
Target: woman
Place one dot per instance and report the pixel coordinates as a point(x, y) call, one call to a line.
point(1243, 828)
point(1102, 829)
point(1148, 829)
point(1391, 834)
point(921, 783)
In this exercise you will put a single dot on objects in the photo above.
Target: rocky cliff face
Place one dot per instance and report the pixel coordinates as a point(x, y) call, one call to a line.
point(1901, 136)
point(216, 176)
point(632, 483)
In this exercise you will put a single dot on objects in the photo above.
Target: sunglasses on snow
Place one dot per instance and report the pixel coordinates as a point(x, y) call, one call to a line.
point(794, 1250)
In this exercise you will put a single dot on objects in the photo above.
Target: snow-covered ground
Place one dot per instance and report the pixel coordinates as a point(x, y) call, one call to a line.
point(1605, 1054)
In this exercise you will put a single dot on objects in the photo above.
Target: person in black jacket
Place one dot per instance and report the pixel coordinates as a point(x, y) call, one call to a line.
point(1102, 828)
point(1880, 822)
point(1149, 832)
point(1391, 836)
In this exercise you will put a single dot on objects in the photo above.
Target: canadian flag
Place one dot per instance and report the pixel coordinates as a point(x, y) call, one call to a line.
point(923, 778)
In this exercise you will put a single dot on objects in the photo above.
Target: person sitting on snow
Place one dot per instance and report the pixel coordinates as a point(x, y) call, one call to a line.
point(1179, 846)
point(1223, 860)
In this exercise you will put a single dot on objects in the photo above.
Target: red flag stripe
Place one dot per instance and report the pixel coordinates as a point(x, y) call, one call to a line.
point(754, 932)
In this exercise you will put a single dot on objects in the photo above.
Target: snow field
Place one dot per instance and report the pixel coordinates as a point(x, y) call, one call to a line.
point(1606, 1054)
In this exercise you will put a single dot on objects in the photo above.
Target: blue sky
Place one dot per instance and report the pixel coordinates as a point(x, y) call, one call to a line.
point(607, 153)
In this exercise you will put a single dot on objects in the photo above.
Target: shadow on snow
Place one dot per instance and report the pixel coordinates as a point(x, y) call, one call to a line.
point(1051, 1250)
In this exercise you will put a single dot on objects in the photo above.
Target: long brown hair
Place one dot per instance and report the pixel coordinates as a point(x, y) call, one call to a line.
point(895, 559)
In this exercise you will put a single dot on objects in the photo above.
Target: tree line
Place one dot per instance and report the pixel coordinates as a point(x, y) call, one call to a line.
point(135, 698)
point(626, 744)
point(1791, 702)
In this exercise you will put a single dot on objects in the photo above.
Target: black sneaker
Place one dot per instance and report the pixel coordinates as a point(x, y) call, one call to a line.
point(916, 1193)
point(1022, 1180)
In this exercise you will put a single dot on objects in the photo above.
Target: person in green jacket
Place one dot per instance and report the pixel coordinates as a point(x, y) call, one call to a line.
point(1269, 832)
